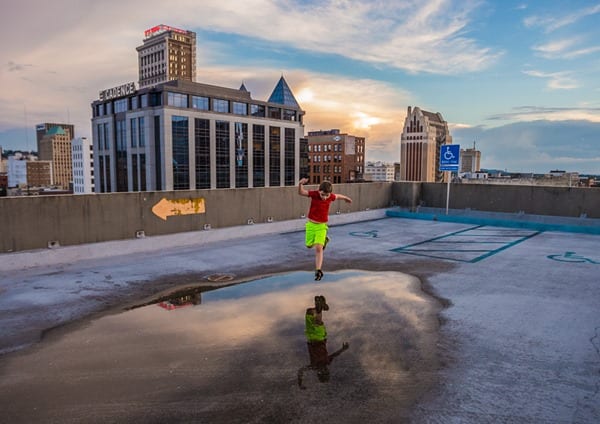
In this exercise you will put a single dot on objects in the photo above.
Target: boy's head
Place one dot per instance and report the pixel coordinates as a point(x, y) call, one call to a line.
point(325, 189)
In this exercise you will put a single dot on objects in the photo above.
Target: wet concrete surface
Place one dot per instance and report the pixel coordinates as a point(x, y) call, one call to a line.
point(517, 340)
point(232, 355)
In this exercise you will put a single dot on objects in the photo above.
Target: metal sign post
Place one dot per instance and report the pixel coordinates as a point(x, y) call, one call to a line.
point(449, 162)
point(448, 176)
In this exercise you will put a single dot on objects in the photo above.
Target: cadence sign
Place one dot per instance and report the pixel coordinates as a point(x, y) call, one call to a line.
point(122, 90)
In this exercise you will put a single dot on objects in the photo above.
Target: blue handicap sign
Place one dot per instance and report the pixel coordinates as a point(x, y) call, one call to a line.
point(449, 157)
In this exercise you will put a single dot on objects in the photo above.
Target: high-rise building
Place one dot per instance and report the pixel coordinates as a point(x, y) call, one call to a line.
point(422, 136)
point(55, 145)
point(42, 129)
point(167, 54)
point(336, 157)
point(182, 135)
point(83, 166)
point(470, 160)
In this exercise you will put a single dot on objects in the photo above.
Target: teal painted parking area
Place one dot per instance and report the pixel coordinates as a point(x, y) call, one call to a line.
point(535, 223)
point(468, 245)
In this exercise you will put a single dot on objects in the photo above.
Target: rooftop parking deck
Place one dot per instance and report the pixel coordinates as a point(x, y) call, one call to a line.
point(501, 325)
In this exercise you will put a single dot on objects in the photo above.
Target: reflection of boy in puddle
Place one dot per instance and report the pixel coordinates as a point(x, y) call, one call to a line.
point(316, 336)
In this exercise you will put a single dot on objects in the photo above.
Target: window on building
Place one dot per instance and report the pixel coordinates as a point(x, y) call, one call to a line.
point(121, 155)
point(222, 153)
point(241, 155)
point(202, 151)
point(200, 102)
point(289, 157)
point(142, 132)
point(274, 156)
point(258, 155)
point(143, 186)
point(257, 110)
point(289, 115)
point(177, 99)
point(133, 133)
point(274, 112)
point(134, 172)
point(240, 108)
point(120, 105)
point(181, 157)
point(220, 105)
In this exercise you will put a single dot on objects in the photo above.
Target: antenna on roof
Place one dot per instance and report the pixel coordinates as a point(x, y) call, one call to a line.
point(26, 133)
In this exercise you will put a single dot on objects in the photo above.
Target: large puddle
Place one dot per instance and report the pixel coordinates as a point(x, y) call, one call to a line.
point(234, 355)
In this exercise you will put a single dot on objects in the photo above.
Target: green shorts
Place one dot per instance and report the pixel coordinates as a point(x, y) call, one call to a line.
point(315, 233)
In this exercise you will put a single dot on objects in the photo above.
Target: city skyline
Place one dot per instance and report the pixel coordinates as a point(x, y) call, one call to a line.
point(518, 78)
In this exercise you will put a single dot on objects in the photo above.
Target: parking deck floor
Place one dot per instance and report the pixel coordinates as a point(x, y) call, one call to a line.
point(480, 323)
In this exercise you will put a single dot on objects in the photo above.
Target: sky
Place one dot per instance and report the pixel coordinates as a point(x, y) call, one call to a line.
point(519, 80)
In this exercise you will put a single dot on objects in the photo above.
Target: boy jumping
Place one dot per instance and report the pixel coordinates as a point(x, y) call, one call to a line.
point(318, 215)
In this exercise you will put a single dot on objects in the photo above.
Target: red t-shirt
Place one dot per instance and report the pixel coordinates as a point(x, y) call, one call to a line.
point(319, 208)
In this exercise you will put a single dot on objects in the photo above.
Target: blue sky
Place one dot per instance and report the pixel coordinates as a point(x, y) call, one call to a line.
point(518, 78)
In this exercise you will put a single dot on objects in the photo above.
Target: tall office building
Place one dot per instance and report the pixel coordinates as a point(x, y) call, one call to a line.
point(167, 54)
point(422, 136)
point(182, 135)
point(42, 129)
point(83, 166)
point(336, 157)
point(470, 160)
point(55, 145)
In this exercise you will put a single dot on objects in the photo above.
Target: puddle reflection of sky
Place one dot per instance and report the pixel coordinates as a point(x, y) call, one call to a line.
point(248, 339)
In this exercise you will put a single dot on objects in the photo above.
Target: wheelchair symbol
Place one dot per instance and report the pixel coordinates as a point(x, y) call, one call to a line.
point(448, 155)
point(572, 257)
point(372, 233)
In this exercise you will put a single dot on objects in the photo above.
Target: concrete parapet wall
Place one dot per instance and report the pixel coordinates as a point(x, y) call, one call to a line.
point(534, 200)
point(37, 222)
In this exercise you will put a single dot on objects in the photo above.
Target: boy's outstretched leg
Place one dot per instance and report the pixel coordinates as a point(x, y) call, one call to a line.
point(318, 261)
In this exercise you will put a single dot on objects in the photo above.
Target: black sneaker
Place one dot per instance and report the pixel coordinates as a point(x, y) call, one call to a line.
point(327, 239)
point(318, 274)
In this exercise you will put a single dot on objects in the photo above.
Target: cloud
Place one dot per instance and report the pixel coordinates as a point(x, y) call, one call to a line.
point(536, 146)
point(564, 49)
point(552, 23)
point(384, 32)
point(556, 80)
point(534, 113)
point(66, 52)
point(331, 102)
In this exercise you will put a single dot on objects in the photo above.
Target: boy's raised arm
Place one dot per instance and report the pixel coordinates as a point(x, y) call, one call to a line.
point(301, 190)
point(344, 198)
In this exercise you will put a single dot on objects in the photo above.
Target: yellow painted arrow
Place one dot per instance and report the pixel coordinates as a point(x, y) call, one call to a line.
point(166, 208)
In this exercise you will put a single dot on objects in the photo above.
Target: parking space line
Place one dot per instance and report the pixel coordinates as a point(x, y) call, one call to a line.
point(464, 254)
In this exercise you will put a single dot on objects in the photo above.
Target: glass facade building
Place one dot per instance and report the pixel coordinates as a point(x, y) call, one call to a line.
point(182, 135)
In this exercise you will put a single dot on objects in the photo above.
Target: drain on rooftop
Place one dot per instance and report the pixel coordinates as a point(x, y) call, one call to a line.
point(220, 277)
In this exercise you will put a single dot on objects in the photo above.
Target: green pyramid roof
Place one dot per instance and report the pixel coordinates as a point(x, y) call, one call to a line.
point(58, 130)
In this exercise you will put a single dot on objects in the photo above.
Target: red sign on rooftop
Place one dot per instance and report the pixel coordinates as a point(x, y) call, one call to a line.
point(162, 28)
